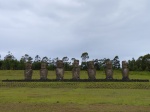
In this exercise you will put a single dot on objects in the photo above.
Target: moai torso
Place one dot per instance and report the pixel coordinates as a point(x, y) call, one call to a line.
point(91, 70)
point(43, 71)
point(76, 70)
point(109, 70)
point(28, 71)
point(125, 71)
point(59, 70)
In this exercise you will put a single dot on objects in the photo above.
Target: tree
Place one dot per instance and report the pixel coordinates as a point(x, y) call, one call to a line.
point(97, 64)
point(52, 63)
point(10, 62)
point(144, 62)
point(116, 62)
point(45, 59)
point(132, 64)
point(21, 65)
point(37, 58)
point(36, 65)
point(66, 63)
point(102, 63)
point(147, 61)
point(65, 59)
point(139, 63)
point(9, 56)
point(26, 58)
point(84, 56)
point(72, 59)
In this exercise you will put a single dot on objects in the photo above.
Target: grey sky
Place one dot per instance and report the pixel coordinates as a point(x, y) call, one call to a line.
point(58, 28)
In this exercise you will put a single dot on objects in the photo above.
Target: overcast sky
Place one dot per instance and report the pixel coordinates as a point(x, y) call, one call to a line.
point(58, 28)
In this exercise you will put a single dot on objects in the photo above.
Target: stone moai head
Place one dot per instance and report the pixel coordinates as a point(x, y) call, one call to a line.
point(124, 64)
point(125, 71)
point(59, 64)
point(76, 70)
point(59, 70)
point(91, 70)
point(28, 65)
point(109, 70)
point(28, 71)
point(90, 65)
point(43, 71)
point(76, 63)
point(43, 65)
point(108, 65)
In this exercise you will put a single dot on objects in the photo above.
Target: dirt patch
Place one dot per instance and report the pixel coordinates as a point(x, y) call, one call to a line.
point(21, 107)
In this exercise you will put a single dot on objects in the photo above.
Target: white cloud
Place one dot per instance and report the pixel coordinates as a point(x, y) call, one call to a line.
point(57, 28)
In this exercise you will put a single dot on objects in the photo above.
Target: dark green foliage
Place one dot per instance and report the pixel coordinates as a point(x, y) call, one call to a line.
point(1, 63)
point(21, 65)
point(84, 56)
point(11, 63)
point(51, 67)
point(66, 62)
point(36, 65)
point(67, 66)
point(116, 63)
point(97, 64)
point(132, 64)
point(141, 64)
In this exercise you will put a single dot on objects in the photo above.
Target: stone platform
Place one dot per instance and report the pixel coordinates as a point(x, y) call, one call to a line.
point(80, 80)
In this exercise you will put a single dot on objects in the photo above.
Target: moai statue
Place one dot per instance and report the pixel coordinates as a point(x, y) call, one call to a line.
point(91, 70)
point(43, 71)
point(28, 71)
point(59, 70)
point(125, 71)
point(109, 70)
point(76, 70)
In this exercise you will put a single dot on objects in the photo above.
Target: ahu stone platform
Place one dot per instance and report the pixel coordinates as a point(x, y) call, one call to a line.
point(80, 80)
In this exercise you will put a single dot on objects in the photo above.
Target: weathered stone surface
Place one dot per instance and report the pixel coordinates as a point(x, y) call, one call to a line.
point(59, 70)
point(109, 70)
point(125, 71)
point(91, 70)
point(28, 71)
point(43, 71)
point(76, 70)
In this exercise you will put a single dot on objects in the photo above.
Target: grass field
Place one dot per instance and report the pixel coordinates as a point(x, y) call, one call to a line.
point(18, 74)
point(74, 96)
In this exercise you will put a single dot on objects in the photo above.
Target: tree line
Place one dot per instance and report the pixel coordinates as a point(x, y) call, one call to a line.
point(11, 63)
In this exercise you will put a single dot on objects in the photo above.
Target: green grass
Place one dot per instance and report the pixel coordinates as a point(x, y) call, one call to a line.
point(101, 85)
point(74, 96)
point(73, 99)
point(19, 74)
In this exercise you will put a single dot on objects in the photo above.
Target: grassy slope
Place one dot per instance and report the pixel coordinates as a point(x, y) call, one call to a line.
point(71, 100)
point(73, 97)
point(77, 96)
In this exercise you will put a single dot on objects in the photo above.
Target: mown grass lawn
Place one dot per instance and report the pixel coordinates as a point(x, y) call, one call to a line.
point(74, 96)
